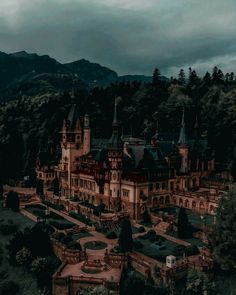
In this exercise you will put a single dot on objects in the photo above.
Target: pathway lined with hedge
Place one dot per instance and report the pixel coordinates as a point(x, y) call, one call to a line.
point(160, 233)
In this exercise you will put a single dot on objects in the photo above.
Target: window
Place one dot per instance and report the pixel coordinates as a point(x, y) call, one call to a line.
point(157, 186)
point(125, 193)
point(151, 186)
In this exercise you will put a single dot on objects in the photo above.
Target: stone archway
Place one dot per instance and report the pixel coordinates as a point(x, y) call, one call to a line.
point(167, 200)
point(180, 202)
point(186, 203)
point(201, 206)
point(161, 200)
point(155, 202)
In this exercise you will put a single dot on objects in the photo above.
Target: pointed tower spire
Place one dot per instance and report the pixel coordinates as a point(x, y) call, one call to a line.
point(115, 141)
point(182, 136)
point(196, 128)
point(115, 122)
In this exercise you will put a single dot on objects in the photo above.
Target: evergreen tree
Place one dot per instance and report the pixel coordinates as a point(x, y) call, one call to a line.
point(56, 186)
point(13, 201)
point(133, 284)
point(183, 224)
point(181, 79)
point(231, 76)
point(207, 78)
point(156, 77)
point(39, 187)
point(223, 236)
point(125, 238)
point(198, 283)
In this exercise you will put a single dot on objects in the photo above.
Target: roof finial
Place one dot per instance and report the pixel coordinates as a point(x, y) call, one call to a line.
point(182, 135)
point(115, 112)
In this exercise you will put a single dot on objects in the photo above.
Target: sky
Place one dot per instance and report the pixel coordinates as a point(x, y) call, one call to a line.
point(128, 36)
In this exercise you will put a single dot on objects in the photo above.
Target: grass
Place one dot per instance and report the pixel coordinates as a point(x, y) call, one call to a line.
point(149, 249)
point(53, 219)
point(95, 245)
point(26, 281)
point(81, 235)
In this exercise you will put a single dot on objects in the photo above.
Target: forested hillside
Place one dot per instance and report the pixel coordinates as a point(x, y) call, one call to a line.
point(30, 121)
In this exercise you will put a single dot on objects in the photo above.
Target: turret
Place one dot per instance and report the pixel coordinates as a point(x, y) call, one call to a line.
point(183, 148)
point(87, 135)
point(182, 136)
point(115, 155)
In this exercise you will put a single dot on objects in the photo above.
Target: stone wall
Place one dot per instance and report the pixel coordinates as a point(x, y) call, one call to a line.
point(64, 254)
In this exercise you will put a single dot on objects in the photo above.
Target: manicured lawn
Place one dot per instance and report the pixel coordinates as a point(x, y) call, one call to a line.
point(95, 245)
point(192, 240)
point(26, 281)
point(81, 235)
point(193, 217)
point(152, 250)
point(53, 219)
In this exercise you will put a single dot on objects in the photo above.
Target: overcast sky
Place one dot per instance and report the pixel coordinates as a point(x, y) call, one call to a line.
point(129, 36)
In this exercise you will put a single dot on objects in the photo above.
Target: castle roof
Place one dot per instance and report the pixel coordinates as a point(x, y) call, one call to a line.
point(72, 118)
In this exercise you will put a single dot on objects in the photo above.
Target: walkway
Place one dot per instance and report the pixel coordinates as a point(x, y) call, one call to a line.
point(160, 233)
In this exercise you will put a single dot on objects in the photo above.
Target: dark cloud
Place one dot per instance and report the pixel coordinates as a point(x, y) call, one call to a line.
point(128, 36)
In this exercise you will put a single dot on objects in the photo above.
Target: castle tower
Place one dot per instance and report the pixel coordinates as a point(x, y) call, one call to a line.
point(87, 135)
point(183, 148)
point(115, 154)
point(71, 147)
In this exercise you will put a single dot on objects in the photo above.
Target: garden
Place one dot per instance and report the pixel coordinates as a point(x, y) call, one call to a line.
point(157, 247)
point(52, 218)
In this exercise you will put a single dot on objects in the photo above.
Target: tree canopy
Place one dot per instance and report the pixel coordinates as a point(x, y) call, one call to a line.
point(125, 238)
point(223, 236)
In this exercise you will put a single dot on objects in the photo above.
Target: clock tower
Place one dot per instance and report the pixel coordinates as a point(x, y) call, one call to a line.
point(115, 155)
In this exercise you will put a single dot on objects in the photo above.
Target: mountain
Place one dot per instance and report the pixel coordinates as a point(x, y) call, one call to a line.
point(23, 73)
point(92, 74)
point(28, 73)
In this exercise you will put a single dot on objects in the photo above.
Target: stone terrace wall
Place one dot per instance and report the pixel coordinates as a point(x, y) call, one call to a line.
point(64, 254)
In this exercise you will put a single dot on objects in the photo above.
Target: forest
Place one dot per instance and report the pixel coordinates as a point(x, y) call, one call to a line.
point(29, 122)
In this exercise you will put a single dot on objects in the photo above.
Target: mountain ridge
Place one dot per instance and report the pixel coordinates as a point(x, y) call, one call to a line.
point(20, 68)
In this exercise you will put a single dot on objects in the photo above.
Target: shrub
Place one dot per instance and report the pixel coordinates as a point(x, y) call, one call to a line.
point(9, 288)
point(178, 250)
point(141, 229)
point(13, 201)
point(143, 237)
point(191, 250)
point(24, 257)
point(61, 226)
point(151, 232)
point(9, 228)
point(137, 244)
point(55, 216)
point(153, 238)
point(66, 240)
point(39, 213)
point(111, 235)
point(3, 275)
point(73, 245)
point(58, 236)
point(39, 265)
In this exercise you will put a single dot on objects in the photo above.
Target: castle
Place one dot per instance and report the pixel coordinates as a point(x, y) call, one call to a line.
point(126, 173)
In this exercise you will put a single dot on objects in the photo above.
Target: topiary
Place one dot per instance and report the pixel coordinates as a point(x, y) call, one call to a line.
point(111, 235)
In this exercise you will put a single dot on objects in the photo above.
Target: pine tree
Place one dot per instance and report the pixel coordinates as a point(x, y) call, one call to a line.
point(183, 224)
point(181, 79)
point(198, 283)
point(125, 238)
point(223, 236)
point(156, 77)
